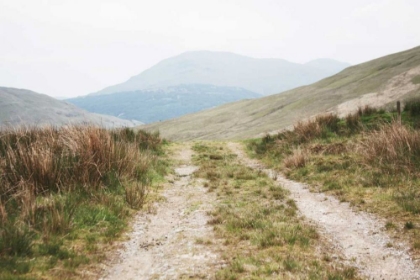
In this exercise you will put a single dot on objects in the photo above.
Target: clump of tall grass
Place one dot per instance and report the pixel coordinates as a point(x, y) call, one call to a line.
point(319, 127)
point(285, 143)
point(297, 159)
point(49, 159)
point(395, 144)
point(50, 175)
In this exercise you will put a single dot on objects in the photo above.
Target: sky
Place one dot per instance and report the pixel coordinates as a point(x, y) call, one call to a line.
point(71, 48)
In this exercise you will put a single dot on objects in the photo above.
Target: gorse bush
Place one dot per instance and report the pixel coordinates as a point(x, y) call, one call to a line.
point(55, 180)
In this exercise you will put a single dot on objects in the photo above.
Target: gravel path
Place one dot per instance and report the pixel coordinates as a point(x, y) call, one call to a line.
point(171, 244)
point(356, 235)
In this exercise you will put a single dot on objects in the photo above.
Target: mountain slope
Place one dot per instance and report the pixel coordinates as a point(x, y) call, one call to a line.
point(263, 76)
point(377, 83)
point(25, 107)
point(161, 104)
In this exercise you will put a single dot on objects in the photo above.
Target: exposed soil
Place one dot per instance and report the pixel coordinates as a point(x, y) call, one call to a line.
point(394, 89)
point(356, 235)
point(172, 243)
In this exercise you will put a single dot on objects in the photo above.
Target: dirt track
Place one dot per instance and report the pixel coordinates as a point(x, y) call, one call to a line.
point(171, 244)
point(168, 244)
point(358, 236)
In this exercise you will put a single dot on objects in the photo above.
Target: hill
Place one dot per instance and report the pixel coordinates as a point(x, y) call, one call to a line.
point(376, 83)
point(161, 104)
point(263, 76)
point(25, 107)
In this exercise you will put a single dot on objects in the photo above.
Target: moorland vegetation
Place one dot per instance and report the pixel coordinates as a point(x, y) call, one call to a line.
point(67, 193)
point(370, 159)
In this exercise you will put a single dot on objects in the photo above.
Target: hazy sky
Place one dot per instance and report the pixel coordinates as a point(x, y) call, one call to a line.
point(71, 48)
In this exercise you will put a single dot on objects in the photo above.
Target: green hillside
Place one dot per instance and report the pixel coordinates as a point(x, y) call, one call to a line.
point(25, 107)
point(375, 83)
point(161, 104)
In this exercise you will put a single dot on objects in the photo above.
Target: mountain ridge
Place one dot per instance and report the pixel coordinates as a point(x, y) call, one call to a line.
point(26, 107)
point(260, 75)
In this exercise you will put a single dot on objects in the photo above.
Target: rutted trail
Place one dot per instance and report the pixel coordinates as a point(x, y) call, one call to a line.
point(358, 236)
point(164, 245)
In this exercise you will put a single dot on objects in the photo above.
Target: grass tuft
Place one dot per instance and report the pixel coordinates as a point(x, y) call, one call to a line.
point(75, 184)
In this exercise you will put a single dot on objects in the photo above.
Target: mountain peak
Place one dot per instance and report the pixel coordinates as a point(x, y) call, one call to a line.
point(264, 76)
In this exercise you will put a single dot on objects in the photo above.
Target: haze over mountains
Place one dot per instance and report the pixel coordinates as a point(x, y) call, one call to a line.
point(162, 104)
point(194, 81)
point(264, 76)
point(25, 107)
point(376, 83)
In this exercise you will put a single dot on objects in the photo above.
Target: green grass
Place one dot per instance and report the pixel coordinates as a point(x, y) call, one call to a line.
point(367, 159)
point(65, 215)
point(416, 80)
point(263, 236)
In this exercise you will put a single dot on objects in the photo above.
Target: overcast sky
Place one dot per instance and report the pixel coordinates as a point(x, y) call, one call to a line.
point(75, 47)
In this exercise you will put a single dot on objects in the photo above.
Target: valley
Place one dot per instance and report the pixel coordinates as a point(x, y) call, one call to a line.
point(212, 165)
point(195, 81)
point(210, 140)
point(150, 106)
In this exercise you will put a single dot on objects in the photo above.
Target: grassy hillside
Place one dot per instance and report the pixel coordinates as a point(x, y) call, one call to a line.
point(161, 104)
point(263, 76)
point(376, 83)
point(66, 194)
point(25, 107)
point(368, 159)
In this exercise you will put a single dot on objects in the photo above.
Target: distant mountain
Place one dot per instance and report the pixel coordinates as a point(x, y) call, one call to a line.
point(375, 83)
point(25, 107)
point(161, 104)
point(263, 76)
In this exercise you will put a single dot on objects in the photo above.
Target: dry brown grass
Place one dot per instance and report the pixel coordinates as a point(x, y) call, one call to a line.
point(42, 160)
point(305, 131)
point(297, 159)
point(394, 144)
point(372, 162)
point(62, 187)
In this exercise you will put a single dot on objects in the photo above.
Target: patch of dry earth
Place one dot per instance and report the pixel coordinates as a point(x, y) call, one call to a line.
point(393, 90)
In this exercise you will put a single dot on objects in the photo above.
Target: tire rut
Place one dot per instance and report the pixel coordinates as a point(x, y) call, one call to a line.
point(164, 245)
point(356, 235)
